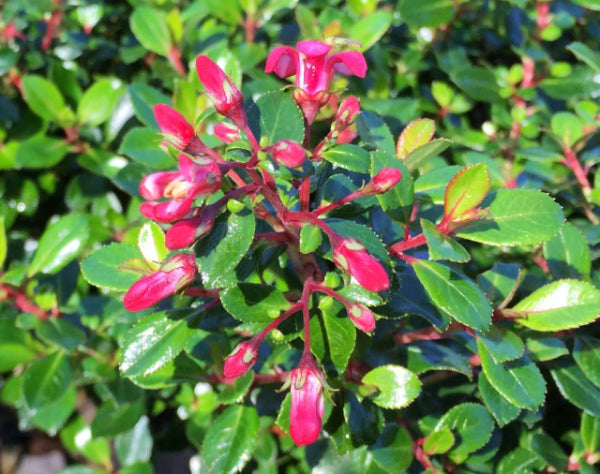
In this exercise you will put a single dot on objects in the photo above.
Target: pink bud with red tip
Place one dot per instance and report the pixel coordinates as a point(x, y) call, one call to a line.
point(351, 256)
point(346, 114)
point(175, 274)
point(287, 153)
point(226, 97)
point(362, 317)
point(226, 133)
point(178, 132)
point(306, 412)
point(241, 359)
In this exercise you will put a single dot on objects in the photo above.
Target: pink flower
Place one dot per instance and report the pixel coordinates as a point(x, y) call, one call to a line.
point(176, 128)
point(10, 31)
point(226, 133)
point(306, 412)
point(287, 153)
point(382, 182)
point(313, 67)
point(241, 359)
point(175, 274)
point(226, 97)
point(362, 317)
point(185, 232)
point(351, 256)
point(181, 188)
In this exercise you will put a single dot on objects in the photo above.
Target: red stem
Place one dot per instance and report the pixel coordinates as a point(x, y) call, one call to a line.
point(19, 299)
point(175, 59)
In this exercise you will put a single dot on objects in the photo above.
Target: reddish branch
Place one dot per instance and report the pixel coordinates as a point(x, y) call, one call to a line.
point(19, 300)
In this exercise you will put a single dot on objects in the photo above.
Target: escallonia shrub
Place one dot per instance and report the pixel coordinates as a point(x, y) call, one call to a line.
point(300, 224)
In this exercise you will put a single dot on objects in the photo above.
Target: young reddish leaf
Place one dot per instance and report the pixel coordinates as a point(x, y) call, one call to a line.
point(466, 191)
point(415, 135)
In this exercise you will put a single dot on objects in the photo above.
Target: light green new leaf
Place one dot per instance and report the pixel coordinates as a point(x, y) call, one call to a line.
point(396, 386)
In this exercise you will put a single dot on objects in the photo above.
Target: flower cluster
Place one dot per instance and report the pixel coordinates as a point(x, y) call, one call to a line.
point(189, 200)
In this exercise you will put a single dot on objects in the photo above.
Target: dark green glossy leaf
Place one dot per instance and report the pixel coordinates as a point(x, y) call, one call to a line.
point(397, 202)
point(500, 408)
point(585, 53)
point(374, 132)
point(278, 116)
point(340, 331)
point(46, 380)
point(442, 247)
point(115, 267)
point(568, 254)
point(144, 98)
point(252, 303)
point(478, 83)
point(349, 157)
point(502, 344)
point(61, 332)
point(393, 450)
point(395, 386)
point(586, 352)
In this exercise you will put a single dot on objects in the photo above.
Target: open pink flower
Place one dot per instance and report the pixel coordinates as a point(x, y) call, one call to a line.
point(241, 359)
point(351, 256)
point(173, 275)
point(313, 67)
point(226, 97)
point(179, 187)
point(306, 412)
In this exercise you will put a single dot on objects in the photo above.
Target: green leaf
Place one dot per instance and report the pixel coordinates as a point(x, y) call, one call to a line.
point(442, 247)
point(416, 134)
point(398, 202)
point(151, 242)
point(439, 442)
point(46, 380)
point(39, 152)
point(424, 356)
point(396, 387)
point(432, 185)
point(3, 245)
point(235, 392)
point(310, 238)
point(230, 439)
point(374, 132)
point(52, 417)
point(43, 97)
point(252, 303)
point(499, 282)
point(568, 127)
point(349, 157)
point(500, 408)
point(429, 13)
point(454, 294)
point(590, 432)
point(153, 342)
point(99, 102)
point(144, 98)
point(576, 387)
point(114, 267)
point(568, 254)
point(502, 344)
point(151, 29)
point(61, 332)
point(563, 304)
point(425, 153)
point(473, 426)
point(60, 243)
point(591, 4)
point(393, 450)
point(586, 54)
point(341, 333)
point(466, 191)
point(586, 352)
point(369, 29)
point(521, 461)
point(278, 117)
point(546, 348)
point(142, 145)
point(549, 450)
point(510, 223)
point(519, 381)
point(114, 418)
point(479, 83)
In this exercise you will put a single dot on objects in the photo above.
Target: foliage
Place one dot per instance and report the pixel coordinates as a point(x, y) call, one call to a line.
point(467, 174)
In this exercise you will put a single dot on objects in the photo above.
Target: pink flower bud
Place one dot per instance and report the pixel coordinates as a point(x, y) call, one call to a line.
point(176, 128)
point(383, 181)
point(351, 256)
point(226, 133)
point(346, 113)
point(185, 232)
point(175, 274)
point(306, 412)
point(287, 153)
point(167, 211)
point(241, 359)
point(226, 97)
point(362, 317)
point(347, 136)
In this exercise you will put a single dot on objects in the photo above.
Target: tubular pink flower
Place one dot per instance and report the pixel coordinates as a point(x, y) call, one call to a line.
point(185, 232)
point(306, 411)
point(226, 133)
point(226, 97)
point(241, 359)
point(351, 256)
point(362, 317)
point(175, 274)
point(287, 153)
point(176, 128)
